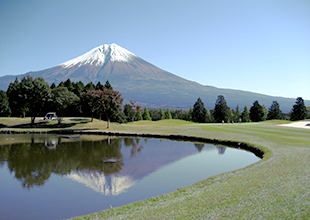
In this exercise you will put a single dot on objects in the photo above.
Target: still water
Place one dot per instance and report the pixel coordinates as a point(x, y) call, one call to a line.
point(53, 177)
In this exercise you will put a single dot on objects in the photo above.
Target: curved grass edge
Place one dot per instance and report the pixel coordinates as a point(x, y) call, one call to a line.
point(260, 151)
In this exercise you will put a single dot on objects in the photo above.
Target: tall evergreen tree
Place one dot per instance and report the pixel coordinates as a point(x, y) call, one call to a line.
point(128, 112)
point(5, 110)
point(78, 88)
point(89, 86)
point(299, 111)
point(220, 111)
point(274, 111)
point(208, 116)
point(190, 115)
point(199, 112)
point(15, 98)
point(53, 86)
point(265, 113)
point(161, 114)
point(237, 114)
point(185, 115)
point(69, 85)
point(146, 114)
point(108, 85)
point(139, 115)
point(99, 86)
point(168, 114)
point(257, 112)
point(230, 114)
point(245, 115)
point(61, 84)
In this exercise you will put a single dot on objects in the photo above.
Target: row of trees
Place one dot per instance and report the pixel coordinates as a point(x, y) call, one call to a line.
point(220, 113)
point(33, 97)
point(257, 112)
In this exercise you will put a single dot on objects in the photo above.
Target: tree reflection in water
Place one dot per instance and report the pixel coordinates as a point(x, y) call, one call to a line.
point(110, 171)
point(33, 163)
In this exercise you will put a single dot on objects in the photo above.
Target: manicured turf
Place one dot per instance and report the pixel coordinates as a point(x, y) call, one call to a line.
point(277, 187)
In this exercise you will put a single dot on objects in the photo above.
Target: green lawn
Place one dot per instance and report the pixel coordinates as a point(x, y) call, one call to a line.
point(277, 187)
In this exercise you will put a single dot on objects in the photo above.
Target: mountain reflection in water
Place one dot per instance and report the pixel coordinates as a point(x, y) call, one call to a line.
point(38, 156)
point(63, 177)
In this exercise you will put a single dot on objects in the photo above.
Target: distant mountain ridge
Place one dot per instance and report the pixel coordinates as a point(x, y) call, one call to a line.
point(140, 80)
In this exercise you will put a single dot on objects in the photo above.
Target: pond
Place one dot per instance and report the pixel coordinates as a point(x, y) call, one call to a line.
point(47, 176)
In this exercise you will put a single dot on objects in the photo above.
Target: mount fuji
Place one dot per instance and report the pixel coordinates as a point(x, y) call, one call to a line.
point(140, 80)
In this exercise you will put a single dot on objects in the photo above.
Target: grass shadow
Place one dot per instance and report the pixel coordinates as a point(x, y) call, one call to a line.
point(2, 126)
point(46, 124)
point(81, 120)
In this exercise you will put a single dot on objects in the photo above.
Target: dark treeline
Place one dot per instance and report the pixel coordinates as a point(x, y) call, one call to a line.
point(34, 97)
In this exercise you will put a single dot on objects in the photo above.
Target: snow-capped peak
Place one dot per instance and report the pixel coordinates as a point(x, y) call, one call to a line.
point(99, 55)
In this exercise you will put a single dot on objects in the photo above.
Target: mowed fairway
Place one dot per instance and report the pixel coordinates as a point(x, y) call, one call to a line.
point(277, 187)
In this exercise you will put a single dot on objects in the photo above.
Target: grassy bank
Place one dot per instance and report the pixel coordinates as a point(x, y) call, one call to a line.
point(277, 187)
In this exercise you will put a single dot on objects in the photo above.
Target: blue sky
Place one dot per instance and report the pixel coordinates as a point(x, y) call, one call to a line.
point(259, 45)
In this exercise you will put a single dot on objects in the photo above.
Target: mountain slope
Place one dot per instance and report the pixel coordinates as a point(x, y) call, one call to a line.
point(139, 80)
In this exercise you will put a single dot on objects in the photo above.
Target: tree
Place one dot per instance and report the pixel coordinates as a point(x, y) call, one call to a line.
point(208, 116)
point(108, 85)
point(78, 88)
point(30, 96)
point(190, 114)
point(113, 103)
point(237, 114)
point(53, 86)
point(168, 114)
point(299, 111)
point(99, 86)
point(199, 112)
point(308, 112)
point(128, 112)
point(104, 102)
point(265, 113)
point(64, 101)
point(230, 114)
point(257, 112)
point(134, 109)
point(89, 86)
point(5, 110)
point(161, 114)
point(146, 114)
point(61, 84)
point(154, 113)
point(39, 97)
point(69, 85)
point(245, 115)
point(139, 115)
point(274, 111)
point(220, 111)
point(15, 98)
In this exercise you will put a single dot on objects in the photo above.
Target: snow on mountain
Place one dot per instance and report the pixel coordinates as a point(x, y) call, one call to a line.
point(106, 185)
point(100, 55)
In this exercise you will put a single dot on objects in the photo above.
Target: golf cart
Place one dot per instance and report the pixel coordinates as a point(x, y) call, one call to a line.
point(51, 116)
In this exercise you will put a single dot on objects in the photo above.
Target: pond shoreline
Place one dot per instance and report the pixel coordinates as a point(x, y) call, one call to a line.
point(240, 145)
